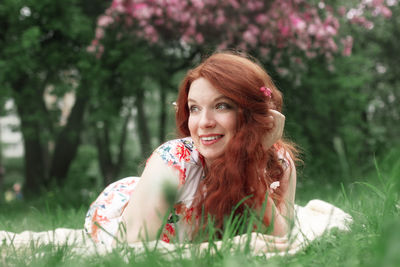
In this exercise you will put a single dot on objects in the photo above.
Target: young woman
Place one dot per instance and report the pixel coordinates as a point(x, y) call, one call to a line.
point(230, 158)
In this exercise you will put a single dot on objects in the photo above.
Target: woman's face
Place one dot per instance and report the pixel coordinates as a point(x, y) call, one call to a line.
point(212, 119)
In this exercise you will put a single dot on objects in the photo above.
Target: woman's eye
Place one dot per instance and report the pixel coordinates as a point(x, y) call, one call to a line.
point(222, 106)
point(193, 109)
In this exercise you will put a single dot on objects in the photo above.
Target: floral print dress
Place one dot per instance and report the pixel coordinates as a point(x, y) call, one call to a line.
point(104, 216)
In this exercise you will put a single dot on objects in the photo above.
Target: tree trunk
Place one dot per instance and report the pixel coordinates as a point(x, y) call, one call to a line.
point(122, 142)
point(143, 129)
point(109, 167)
point(35, 165)
point(163, 114)
point(32, 113)
point(68, 140)
point(104, 153)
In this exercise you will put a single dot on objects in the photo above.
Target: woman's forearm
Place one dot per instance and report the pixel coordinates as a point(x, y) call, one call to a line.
point(274, 218)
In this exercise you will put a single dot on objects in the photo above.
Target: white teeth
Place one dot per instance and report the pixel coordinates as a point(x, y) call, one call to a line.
point(210, 138)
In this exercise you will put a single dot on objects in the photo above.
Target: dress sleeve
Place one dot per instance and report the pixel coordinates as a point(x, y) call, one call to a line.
point(176, 155)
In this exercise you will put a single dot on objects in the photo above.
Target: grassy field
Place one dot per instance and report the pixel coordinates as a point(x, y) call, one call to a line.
point(374, 239)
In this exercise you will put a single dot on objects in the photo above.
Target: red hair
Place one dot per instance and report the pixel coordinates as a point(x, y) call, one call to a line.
point(246, 168)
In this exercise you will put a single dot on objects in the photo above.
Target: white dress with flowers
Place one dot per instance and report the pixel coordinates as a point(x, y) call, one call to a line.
point(105, 214)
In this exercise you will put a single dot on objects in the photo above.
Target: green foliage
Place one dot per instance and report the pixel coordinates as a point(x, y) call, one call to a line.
point(84, 176)
point(344, 114)
point(41, 45)
point(326, 116)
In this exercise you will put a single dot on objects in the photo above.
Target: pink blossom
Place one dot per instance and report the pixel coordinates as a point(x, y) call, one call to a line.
point(91, 48)
point(250, 38)
point(158, 12)
point(375, 2)
point(185, 17)
point(321, 33)
point(99, 33)
point(284, 30)
point(264, 51)
point(117, 5)
point(297, 22)
point(266, 36)
point(342, 11)
point(192, 22)
point(261, 18)
point(222, 46)
point(104, 21)
point(185, 38)
point(220, 18)
point(251, 6)
point(347, 45)
point(282, 71)
point(234, 4)
point(259, 5)
point(330, 30)
point(154, 38)
point(159, 22)
point(150, 31)
point(332, 45)
point(253, 29)
point(369, 25)
point(312, 29)
point(100, 51)
point(199, 38)
point(141, 11)
point(139, 6)
point(292, 24)
point(172, 2)
point(198, 4)
point(311, 54)
point(386, 12)
point(302, 45)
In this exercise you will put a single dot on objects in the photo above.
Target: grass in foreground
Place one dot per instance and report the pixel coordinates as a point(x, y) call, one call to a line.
point(374, 239)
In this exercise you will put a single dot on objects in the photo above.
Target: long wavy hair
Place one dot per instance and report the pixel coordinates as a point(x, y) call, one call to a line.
point(246, 168)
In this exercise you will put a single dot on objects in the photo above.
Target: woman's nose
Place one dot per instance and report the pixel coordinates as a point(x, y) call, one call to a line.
point(207, 119)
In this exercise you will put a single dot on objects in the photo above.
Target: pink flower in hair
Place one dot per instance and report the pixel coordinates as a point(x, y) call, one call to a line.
point(267, 91)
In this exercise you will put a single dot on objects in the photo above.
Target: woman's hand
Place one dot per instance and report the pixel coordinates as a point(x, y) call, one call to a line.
point(276, 122)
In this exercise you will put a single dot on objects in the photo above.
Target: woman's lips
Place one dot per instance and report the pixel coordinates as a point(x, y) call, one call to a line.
point(210, 139)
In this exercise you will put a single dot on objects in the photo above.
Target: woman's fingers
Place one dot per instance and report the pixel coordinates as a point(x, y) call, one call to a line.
point(269, 122)
point(275, 122)
point(279, 121)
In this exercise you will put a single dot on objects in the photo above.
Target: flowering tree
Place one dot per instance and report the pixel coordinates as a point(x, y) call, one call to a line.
point(266, 28)
point(283, 34)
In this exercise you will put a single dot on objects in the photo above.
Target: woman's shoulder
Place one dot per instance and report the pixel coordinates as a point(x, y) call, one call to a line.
point(181, 155)
point(178, 151)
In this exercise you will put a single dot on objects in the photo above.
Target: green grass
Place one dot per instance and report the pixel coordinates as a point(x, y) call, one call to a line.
point(374, 239)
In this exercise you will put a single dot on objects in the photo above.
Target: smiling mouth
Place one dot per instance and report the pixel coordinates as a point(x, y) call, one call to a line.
point(209, 140)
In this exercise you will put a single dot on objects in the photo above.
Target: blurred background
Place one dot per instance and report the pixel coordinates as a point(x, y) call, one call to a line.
point(87, 87)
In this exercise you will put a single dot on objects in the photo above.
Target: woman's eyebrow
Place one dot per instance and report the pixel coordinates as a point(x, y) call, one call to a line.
point(218, 98)
point(222, 97)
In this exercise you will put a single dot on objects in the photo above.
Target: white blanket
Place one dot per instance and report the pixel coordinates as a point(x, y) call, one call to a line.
point(313, 220)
